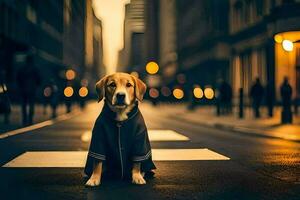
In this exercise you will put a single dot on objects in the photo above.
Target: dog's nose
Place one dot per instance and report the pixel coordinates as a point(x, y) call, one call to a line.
point(120, 98)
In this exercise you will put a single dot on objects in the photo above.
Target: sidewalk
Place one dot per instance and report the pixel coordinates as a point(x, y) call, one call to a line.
point(263, 127)
point(15, 121)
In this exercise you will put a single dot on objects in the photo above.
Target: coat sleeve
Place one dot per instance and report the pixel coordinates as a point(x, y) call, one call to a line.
point(142, 148)
point(97, 148)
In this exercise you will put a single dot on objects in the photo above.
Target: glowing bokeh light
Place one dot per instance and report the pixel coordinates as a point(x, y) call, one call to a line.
point(209, 93)
point(178, 93)
point(70, 74)
point(83, 91)
point(287, 45)
point(68, 91)
point(47, 92)
point(152, 67)
point(198, 92)
point(154, 93)
point(278, 38)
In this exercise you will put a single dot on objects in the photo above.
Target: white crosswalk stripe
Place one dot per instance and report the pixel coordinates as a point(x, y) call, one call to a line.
point(77, 159)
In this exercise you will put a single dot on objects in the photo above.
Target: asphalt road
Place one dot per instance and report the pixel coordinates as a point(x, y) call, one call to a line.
point(259, 168)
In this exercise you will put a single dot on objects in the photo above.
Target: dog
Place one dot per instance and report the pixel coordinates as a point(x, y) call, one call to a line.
point(120, 145)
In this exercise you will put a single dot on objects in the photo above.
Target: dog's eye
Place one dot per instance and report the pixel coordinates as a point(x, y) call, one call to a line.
point(128, 85)
point(113, 84)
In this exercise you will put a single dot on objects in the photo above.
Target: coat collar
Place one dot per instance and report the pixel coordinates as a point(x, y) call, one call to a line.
point(112, 115)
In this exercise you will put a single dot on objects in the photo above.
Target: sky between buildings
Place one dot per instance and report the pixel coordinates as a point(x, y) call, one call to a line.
point(111, 13)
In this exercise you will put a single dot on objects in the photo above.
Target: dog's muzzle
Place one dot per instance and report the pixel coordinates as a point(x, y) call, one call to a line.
point(120, 99)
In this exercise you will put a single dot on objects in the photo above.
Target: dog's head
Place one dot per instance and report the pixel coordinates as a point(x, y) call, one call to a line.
point(120, 89)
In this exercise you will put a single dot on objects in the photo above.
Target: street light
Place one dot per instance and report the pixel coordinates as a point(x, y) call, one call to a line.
point(83, 92)
point(68, 91)
point(278, 38)
point(70, 74)
point(287, 45)
point(209, 93)
point(152, 67)
point(178, 93)
point(198, 92)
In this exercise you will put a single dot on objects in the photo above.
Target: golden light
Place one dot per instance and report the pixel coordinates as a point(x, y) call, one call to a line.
point(135, 74)
point(70, 74)
point(152, 67)
point(178, 93)
point(198, 92)
point(153, 93)
point(287, 45)
point(278, 38)
point(83, 91)
point(209, 93)
point(68, 91)
point(47, 92)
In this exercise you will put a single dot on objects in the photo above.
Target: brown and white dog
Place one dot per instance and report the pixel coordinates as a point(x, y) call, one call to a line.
point(121, 91)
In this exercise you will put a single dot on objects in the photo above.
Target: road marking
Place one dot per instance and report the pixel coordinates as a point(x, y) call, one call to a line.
point(166, 135)
point(154, 135)
point(77, 159)
point(186, 154)
point(38, 125)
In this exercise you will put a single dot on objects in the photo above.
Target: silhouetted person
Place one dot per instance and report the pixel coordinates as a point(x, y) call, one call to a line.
point(53, 97)
point(225, 97)
point(28, 80)
point(270, 96)
point(5, 108)
point(256, 94)
point(286, 96)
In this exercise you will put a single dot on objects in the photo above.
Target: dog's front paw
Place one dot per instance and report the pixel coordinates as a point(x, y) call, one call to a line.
point(92, 182)
point(138, 179)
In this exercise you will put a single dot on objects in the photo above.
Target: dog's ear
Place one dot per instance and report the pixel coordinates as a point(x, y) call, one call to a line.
point(140, 88)
point(100, 88)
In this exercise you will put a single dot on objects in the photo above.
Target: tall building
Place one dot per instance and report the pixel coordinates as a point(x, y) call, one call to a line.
point(265, 39)
point(59, 34)
point(167, 39)
point(83, 45)
point(132, 56)
point(74, 42)
point(98, 69)
point(152, 30)
point(202, 38)
point(30, 27)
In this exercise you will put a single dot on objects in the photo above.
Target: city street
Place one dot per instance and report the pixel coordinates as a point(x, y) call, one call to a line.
point(212, 163)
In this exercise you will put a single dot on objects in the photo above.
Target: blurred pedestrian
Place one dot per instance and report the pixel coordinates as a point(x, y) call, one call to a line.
point(270, 96)
point(28, 80)
point(256, 94)
point(5, 107)
point(54, 97)
point(286, 96)
point(225, 96)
